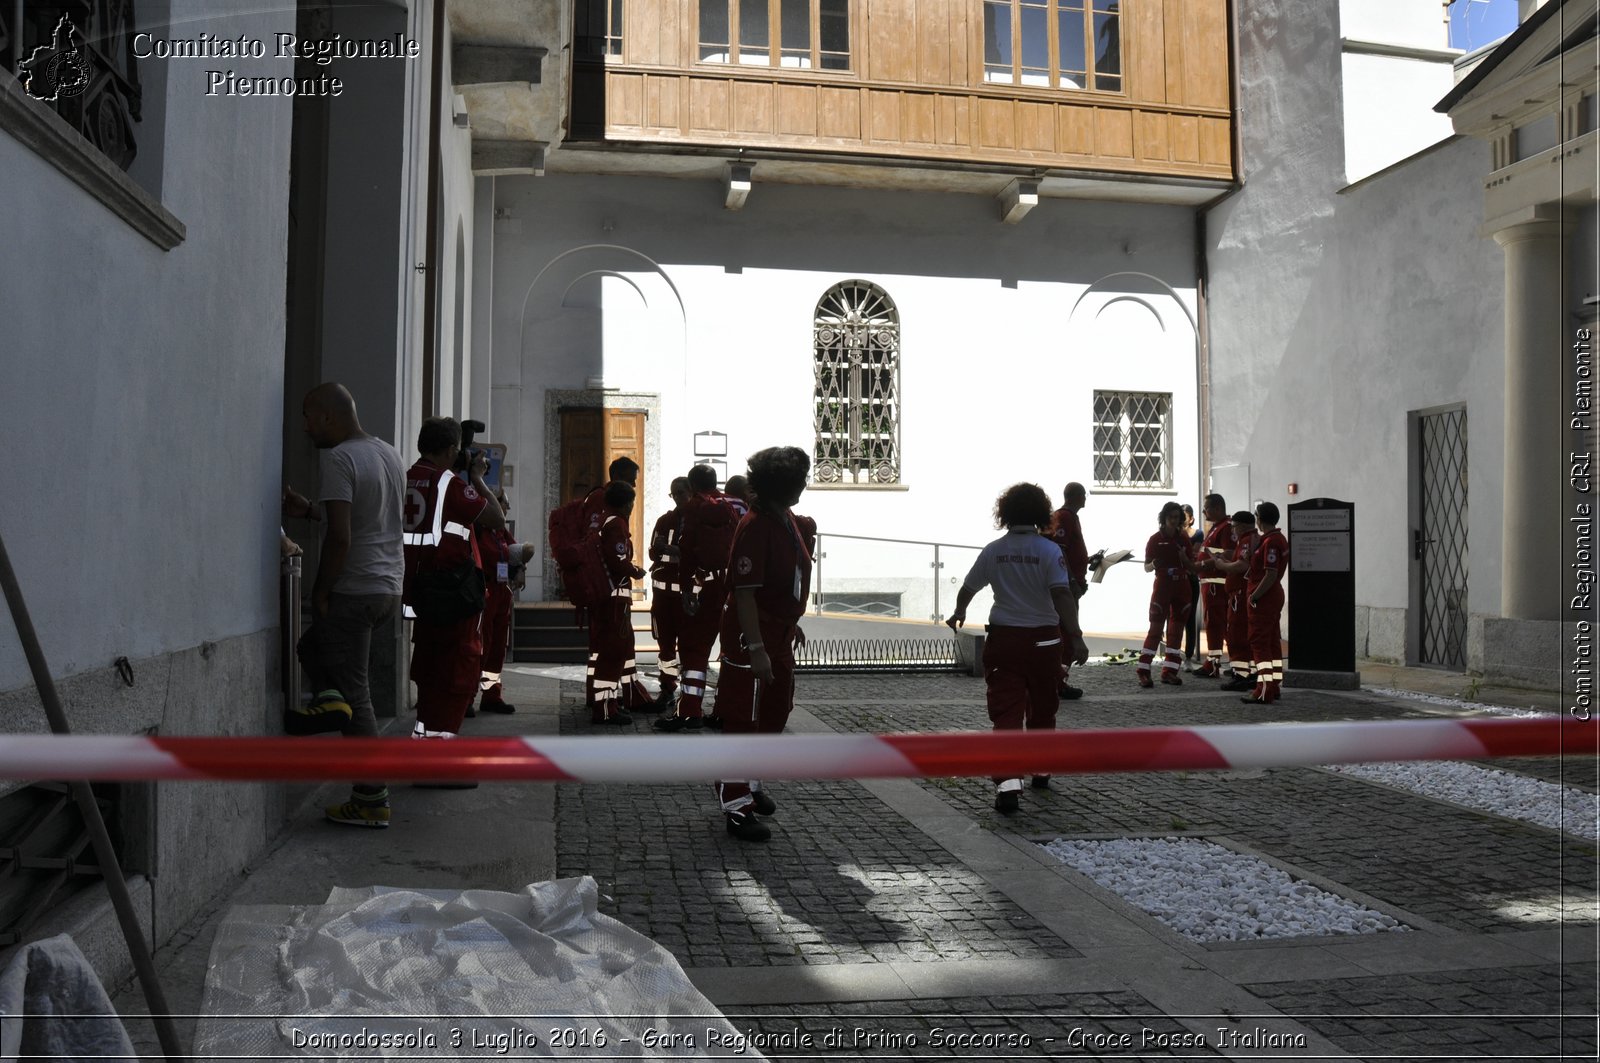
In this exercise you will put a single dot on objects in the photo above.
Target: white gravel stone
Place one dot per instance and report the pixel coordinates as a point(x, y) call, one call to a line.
point(1209, 893)
point(1548, 804)
point(1454, 703)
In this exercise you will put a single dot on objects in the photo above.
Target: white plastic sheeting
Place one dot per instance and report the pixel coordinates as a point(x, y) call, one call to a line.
point(54, 1007)
point(383, 972)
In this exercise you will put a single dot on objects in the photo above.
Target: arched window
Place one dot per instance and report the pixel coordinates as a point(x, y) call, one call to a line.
point(856, 337)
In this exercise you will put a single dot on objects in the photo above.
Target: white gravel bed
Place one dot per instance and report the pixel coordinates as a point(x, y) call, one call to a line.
point(1577, 812)
point(1454, 703)
point(1208, 893)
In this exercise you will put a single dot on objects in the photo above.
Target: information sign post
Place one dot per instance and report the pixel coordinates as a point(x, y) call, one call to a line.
point(1322, 595)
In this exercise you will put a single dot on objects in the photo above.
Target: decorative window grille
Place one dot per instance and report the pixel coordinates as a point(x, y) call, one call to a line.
point(80, 52)
point(1132, 439)
point(1069, 44)
point(599, 28)
point(800, 34)
point(856, 337)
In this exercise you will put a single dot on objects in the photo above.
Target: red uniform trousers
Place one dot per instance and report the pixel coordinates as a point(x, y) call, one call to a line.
point(496, 638)
point(1021, 671)
point(611, 652)
point(446, 662)
point(747, 705)
point(666, 621)
point(1215, 598)
point(695, 639)
point(1169, 612)
point(1239, 654)
point(1265, 645)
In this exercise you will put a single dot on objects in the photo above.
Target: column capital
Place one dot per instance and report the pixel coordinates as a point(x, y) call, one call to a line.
point(1529, 223)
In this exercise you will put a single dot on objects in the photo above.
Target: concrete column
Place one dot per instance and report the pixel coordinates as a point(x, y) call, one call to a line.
point(1530, 552)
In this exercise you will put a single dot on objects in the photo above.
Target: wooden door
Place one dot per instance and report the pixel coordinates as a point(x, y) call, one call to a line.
point(591, 439)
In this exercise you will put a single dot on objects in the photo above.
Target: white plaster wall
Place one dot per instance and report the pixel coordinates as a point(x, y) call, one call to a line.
point(143, 389)
point(1388, 109)
point(1005, 336)
point(1334, 315)
point(455, 394)
point(1417, 23)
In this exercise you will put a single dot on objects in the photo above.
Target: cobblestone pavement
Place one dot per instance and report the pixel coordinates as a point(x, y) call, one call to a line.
point(1016, 1027)
point(1547, 1011)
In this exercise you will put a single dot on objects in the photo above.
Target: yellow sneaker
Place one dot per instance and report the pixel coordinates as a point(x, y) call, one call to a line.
point(359, 813)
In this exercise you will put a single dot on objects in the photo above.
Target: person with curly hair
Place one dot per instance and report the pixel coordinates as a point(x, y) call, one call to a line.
point(1035, 615)
point(769, 576)
point(1168, 555)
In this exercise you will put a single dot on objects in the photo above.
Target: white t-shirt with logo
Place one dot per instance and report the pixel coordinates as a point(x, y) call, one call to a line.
point(1022, 566)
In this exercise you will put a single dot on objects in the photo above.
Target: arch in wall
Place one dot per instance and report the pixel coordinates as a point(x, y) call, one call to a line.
point(576, 263)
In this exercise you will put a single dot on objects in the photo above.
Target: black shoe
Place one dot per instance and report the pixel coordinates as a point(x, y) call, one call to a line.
point(650, 706)
point(674, 724)
point(620, 718)
point(763, 805)
point(1239, 682)
point(1069, 693)
point(1251, 699)
point(714, 722)
point(445, 785)
point(499, 706)
point(746, 827)
point(472, 710)
point(1040, 782)
point(1006, 801)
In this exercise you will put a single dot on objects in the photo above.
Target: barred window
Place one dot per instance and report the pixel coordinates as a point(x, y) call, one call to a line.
point(1132, 439)
point(856, 339)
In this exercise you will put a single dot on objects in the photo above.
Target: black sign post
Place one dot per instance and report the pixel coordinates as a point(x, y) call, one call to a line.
point(1322, 595)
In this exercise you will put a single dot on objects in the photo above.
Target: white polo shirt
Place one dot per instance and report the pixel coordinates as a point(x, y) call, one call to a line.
point(1022, 566)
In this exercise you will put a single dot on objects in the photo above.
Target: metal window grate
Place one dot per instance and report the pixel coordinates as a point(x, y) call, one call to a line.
point(1132, 439)
point(1443, 456)
point(856, 340)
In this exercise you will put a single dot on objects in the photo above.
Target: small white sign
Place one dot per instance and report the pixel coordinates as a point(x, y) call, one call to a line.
point(1320, 552)
point(1319, 520)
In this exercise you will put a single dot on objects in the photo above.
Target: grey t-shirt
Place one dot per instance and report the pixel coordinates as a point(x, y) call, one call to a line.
point(367, 473)
point(1022, 566)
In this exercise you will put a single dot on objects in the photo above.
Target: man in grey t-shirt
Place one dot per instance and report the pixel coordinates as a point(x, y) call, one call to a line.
point(357, 589)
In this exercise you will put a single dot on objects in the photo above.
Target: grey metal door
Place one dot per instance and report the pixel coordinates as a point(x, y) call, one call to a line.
point(1439, 543)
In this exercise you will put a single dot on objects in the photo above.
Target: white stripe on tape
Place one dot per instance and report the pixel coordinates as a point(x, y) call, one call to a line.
point(92, 756)
point(761, 756)
point(1344, 742)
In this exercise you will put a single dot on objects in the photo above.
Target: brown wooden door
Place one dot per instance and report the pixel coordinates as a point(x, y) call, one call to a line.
point(591, 439)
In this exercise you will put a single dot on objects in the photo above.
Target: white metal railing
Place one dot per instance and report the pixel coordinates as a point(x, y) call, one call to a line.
point(911, 579)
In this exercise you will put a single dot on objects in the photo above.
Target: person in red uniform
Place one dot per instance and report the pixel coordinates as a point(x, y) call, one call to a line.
point(441, 508)
point(666, 591)
point(612, 623)
point(709, 522)
point(769, 568)
point(1264, 583)
point(502, 557)
point(1033, 624)
point(1167, 554)
point(1218, 543)
point(623, 470)
point(1067, 533)
point(1240, 659)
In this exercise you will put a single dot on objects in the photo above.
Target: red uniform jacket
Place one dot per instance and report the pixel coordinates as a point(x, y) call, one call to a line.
point(709, 523)
point(1272, 555)
point(451, 543)
point(1067, 532)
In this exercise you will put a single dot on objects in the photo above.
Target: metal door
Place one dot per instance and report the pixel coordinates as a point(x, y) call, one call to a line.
point(1439, 542)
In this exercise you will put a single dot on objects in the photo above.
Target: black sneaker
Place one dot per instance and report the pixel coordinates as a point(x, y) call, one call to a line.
point(1040, 782)
point(500, 707)
point(1006, 801)
point(619, 718)
point(746, 827)
point(1069, 693)
point(714, 722)
point(763, 805)
point(674, 724)
point(1239, 682)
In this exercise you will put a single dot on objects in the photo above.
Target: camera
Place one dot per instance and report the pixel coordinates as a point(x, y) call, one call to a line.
point(468, 453)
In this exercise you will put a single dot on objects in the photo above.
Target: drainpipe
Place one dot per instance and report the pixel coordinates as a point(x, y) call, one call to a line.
point(430, 255)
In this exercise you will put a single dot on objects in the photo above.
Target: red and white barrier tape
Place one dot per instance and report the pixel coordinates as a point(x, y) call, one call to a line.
point(648, 759)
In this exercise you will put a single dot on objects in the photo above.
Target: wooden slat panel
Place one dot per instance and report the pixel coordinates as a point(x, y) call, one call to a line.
point(670, 32)
point(892, 40)
point(797, 110)
point(933, 48)
point(1076, 125)
point(919, 123)
point(640, 19)
point(1216, 147)
point(625, 100)
point(708, 105)
point(839, 113)
point(960, 38)
point(955, 120)
point(883, 116)
point(1113, 133)
point(1150, 137)
point(997, 124)
point(1173, 53)
point(1145, 45)
point(1184, 130)
point(752, 106)
point(1205, 76)
point(1036, 127)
